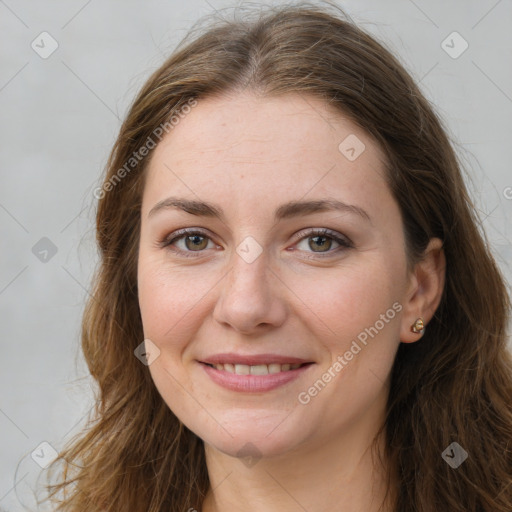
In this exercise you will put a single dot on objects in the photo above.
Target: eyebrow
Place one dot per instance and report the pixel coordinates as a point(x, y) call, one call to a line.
point(285, 211)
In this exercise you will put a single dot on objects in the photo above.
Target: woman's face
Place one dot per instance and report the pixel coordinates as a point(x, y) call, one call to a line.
point(295, 254)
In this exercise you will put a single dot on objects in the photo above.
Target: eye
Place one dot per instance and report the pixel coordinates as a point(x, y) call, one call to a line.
point(191, 240)
point(320, 241)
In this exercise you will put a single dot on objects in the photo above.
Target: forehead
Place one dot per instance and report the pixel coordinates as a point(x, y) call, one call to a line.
point(263, 147)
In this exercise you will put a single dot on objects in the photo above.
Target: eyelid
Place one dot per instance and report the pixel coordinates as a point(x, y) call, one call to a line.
point(309, 232)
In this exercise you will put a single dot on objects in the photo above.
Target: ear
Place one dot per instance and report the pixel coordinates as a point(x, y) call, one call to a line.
point(425, 290)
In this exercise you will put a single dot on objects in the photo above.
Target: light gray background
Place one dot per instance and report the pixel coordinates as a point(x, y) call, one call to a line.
point(60, 116)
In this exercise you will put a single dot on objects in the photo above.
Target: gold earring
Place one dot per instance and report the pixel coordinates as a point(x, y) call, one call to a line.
point(418, 326)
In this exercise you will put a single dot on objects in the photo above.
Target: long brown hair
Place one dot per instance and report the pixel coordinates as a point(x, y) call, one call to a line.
point(455, 385)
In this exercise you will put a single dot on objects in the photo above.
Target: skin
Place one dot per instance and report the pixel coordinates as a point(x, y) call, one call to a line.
point(248, 155)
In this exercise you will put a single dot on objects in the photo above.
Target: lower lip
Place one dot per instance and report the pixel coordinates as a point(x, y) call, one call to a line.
point(253, 383)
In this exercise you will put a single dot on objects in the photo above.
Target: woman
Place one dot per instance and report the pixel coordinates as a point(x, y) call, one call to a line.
point(295, 309)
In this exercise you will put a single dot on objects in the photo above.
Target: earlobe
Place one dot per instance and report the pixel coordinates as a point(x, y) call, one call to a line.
point(427, 285)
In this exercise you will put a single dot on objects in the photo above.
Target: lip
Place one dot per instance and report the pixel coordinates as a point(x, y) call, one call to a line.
point(254, 383)
point(252, 360)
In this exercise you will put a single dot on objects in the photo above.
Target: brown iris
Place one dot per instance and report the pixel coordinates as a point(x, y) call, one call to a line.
point(196, 242)
point(322, 244)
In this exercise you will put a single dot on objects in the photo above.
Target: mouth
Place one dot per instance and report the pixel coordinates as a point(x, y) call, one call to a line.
point(259, 369)
point(255, 378)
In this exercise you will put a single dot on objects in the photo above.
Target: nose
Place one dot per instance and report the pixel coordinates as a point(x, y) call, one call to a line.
point(251, 297)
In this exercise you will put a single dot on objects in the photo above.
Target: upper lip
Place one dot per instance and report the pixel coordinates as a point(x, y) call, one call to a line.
point(231, 358)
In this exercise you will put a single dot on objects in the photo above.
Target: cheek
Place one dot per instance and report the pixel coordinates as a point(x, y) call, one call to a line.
point(169, 298)
point(171, 306)
point(345, 301)
point(355, 316)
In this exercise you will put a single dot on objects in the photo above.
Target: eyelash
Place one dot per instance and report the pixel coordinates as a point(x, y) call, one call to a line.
point(344, 242)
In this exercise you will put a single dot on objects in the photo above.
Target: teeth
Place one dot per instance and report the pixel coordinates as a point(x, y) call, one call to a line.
point(228, 367)
point(274, 368)
point(259, 369)
point(242, 369)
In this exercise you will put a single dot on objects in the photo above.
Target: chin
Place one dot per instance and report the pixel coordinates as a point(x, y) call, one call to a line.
point(252, 439)
point(249, 447)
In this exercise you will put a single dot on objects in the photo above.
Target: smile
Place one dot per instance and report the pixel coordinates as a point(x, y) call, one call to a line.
point(254, 378)
point(260, 369)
